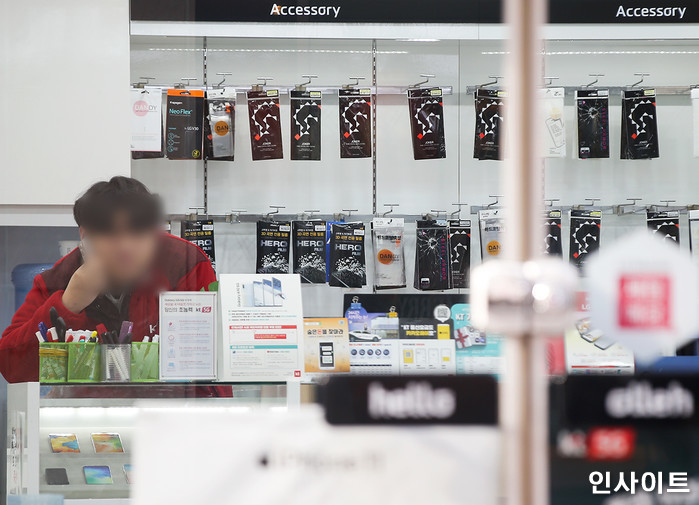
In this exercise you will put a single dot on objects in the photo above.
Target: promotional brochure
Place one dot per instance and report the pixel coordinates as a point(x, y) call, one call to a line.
point(326, 346)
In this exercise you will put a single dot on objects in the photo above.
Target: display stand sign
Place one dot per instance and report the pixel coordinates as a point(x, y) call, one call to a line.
point(326, 346)
point(188, 335)
point(643, 294)
point(262, 327)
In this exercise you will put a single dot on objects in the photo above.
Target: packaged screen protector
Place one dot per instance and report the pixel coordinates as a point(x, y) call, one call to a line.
point(265, 125)
point(305, 125)
point(491, 226)
point(146, 119)
point(592, 109)
point(347, 255)
point(432, 265)
point(664, 224)
point(489, 118)
point(389, 257)
point(185, 117)
point(220, 124)
point(552, 233)
point(200, 233)
point(639, 125)
point(554, 134)
point(427, 123)
point(273, 247)
point(584, 234)
point(355, 123)
point(309, 251)
point(460, 252)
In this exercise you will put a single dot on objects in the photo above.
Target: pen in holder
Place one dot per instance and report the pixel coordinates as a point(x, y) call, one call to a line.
point(145, 363)
point(83, 362)
point(116, 359)
point(53, 362)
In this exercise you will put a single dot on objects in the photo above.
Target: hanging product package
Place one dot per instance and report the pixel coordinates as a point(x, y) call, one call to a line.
point(552, 233)
point(309, 251)
point(584, 235)
point(355, 123)
point(200, 233)
point(219, 129)
point(664, 224)
point(305, 125)
point(489, 114)
point(265, 125)
point(639, 125)
point(432, 268)
point(185, 117)
point(427, 123)
point(273, 247)
point(389, 259)
point(693, 216)
point(147, 120)
point(592, 107)
point(347, 260)
point(695, 120)
point(491, 226)
point(552, 103)
point(460, 252)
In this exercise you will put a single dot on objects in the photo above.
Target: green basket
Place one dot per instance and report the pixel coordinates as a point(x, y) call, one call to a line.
point(53, 362)
point(84, 362)
point(145, 362)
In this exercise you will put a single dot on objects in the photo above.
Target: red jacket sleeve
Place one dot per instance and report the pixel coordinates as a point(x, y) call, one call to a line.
point(198, 277)
point(19, 347)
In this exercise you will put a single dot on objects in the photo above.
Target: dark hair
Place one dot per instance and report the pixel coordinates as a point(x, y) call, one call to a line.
point(97, 208)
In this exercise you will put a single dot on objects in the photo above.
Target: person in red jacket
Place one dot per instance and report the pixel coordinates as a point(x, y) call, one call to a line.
point(124, 262)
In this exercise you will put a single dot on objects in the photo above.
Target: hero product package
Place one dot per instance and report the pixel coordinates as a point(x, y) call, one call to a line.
point(273, 247)
point(389, 257)
point(432, 268)
point(639, 125)
point(309, 251)
point(491, 226)
point(427, 123)
point(185, 117)
point(147, 120)
point(489, 110)
point(265, 125)
point(219, 129)
point(592, 107)
point(554, 126)
point(664, 224)
point(305, 125)
point(347, 260)
point(201, 234)
point(355, 123)
point(584, 234)
point(460, 252)
point(552, 233)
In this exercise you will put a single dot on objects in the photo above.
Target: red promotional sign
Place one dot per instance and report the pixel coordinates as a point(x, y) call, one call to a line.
point(645, 301)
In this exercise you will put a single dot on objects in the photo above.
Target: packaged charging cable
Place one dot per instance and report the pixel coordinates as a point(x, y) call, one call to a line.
point(185, 117)
point(552, 103)
point(552, 233)
point(220, 126)
point(639, 126)
point(427, 123)
point(491, 226)
point(309, 251)
point(305, 125)
point(460, 252)
point(489, 117)
point(355, 123)
point(200, 232)
point(389, 259)
point(664, 224)
point(347, 256)
point(584, 235)
point(592, 107)
point(432, 267)
point(273, 247)
point(265, 125)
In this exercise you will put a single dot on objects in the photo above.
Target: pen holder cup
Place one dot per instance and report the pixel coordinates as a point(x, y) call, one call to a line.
point(53, 362)
point(145, 363)
point(116, 360)
point(84, 362)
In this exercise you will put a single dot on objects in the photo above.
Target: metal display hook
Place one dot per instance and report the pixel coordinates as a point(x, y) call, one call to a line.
point(427, 79)
point(457, 212)
point(349, 213)
point(353, 84)
point(392, 206)
point(196, 210)
point(182, 85)
point(223, 78)
point(302, 86)
point(496, 202)
point(309, 213)
point(270, 215)
point(491, 83)
point(437, 213)
point(550, 201)
point(143, 83)
point(621, 208)
point(596, 76)
point(550, 80)
point(642, 75)
point(261, 86)
point(237, 213)
point(591, 204)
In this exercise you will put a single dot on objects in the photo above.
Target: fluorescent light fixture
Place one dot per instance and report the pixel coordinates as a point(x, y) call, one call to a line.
point(312, 51)
point(418, 40)
point(593, 53)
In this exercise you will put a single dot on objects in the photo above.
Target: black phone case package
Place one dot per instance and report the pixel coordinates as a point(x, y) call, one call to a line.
point(219, 127)
point(389, 258)
point(664, 224)
point(200, 233)
point(355, 123)
point(592, 108)
point(489, 117)
point(584, 235)
point(460, 252)
point(305, 125)
point(491, 227)
point(347, 255)
point(552, 233)
point(639, 126)
point(273, 247)
point(265, 125)
point(185, 117)
point(309, 251)
point(432, 267)
point(427, 123)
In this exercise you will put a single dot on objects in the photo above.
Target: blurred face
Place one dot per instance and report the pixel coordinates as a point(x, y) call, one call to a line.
point(126, 255)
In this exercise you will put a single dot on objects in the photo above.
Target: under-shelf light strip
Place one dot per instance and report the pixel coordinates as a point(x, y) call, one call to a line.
point(326, 51)
point(592, 53)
